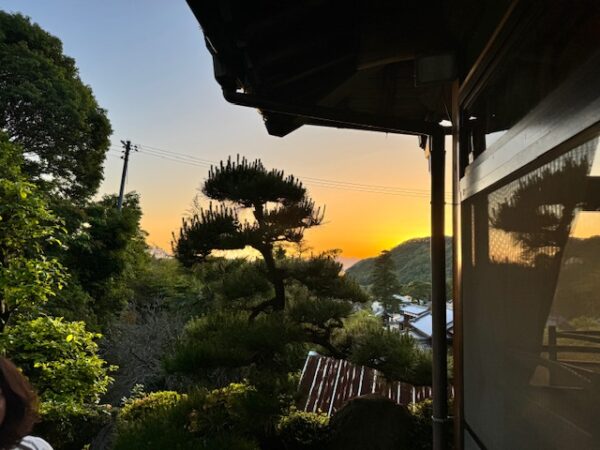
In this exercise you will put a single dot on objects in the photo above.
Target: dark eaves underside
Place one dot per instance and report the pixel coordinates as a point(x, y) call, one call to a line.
point(348, 64)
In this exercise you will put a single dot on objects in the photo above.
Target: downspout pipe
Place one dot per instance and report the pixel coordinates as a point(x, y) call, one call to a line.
point(438, 292)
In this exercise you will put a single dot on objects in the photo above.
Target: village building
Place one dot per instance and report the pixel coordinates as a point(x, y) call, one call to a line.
point(421, 328)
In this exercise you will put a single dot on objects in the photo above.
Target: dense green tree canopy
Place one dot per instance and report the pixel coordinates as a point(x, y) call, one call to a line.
point(49, 111)
point(104, 249)
point(28, 276)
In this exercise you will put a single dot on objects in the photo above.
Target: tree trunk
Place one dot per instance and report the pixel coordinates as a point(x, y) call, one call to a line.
point(266, 250)
point(275, 277)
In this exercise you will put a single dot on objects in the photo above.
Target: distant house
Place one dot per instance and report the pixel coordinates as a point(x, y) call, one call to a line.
point(408, 311)
point(411, 312)
point(421, 329)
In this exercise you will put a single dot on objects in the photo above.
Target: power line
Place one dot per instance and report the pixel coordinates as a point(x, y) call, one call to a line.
point(331, 184)
point(187, 155)
point(207, 161)
point(184, 158)
point(370, 186)
point(174, 158)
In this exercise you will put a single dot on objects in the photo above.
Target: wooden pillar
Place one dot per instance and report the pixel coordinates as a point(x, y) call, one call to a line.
point(438, 292)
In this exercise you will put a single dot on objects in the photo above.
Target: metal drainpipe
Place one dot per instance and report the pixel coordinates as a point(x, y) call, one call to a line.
point(438, 292)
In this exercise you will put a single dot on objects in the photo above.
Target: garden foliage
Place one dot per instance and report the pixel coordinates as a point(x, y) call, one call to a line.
point(29, 277)
point(61, 360)
point(301, 430)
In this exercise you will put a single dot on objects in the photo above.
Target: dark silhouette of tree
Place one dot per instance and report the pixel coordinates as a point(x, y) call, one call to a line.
point(280, 211)
point(539, 212)
point(49, 111)
point(385, 283)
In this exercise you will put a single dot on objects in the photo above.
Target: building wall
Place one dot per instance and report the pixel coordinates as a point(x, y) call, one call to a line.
point(530, 235)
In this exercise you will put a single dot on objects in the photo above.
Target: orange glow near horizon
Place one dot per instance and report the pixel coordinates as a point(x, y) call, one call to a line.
point(586, 225)
point(360, 224)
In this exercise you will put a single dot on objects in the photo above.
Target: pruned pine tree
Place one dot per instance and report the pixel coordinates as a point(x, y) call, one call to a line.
point(321, 299)
point(280, 212)
point(385, 283)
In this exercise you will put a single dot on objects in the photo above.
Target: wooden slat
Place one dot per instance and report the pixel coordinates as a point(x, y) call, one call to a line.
point(327, 384)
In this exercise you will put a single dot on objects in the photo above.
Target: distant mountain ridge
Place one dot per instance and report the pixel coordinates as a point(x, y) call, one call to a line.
point(412, 260)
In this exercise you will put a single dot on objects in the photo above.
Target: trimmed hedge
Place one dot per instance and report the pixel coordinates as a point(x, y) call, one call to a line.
point(137, 409)
point(301, 430)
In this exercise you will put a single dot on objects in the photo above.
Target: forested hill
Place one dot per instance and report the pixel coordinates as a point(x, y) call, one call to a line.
point(412, 262)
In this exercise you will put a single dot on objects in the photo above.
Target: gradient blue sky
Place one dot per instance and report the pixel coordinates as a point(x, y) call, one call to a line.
point(148, 67)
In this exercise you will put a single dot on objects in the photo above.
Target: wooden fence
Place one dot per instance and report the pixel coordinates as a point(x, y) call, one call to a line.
point(327, 384)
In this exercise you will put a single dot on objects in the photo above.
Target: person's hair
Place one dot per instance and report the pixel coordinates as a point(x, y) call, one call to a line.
point(21, 405)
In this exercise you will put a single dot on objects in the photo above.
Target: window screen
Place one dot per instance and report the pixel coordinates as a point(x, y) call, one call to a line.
point(531, 299)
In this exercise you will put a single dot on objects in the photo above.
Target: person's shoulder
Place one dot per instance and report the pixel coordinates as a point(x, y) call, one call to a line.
point(33, 443)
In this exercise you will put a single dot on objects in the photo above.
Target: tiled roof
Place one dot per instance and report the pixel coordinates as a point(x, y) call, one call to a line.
point(415, 310)
point(424, 326)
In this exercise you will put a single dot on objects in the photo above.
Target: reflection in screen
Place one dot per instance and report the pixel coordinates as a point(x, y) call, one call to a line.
point(532, 307)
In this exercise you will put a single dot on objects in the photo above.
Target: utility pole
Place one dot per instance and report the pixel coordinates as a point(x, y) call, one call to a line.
point(125, 157)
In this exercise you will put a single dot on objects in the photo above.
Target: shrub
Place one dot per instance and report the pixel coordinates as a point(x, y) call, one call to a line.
point(165, 428)
point(301, 430)
point(237, 408)
point(421, 430)
point(207, 420)
point(137, 409)
point(70, 426)
point(60, 359)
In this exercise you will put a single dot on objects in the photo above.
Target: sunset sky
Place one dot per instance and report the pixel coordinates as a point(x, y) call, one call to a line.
point(149, 68)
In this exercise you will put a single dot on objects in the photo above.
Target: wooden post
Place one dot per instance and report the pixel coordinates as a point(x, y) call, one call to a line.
point(438, 292)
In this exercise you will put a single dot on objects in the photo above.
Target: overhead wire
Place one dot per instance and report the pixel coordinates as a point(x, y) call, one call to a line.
point(184, 158)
